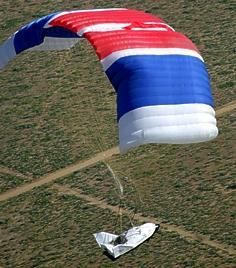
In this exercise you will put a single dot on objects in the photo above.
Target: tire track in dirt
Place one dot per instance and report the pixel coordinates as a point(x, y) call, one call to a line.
point(203, 239)
point(80, 165)
point(226, 108)
point(58, 174)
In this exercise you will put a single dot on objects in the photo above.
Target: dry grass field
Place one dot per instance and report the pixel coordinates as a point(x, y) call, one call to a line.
point(58, 133)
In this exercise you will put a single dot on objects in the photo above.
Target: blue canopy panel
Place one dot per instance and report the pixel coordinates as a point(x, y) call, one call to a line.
point(146, 80)
point(33, 34)
point(162, 99)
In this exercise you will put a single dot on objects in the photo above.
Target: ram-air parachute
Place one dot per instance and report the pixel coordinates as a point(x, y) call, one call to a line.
point(163, 88)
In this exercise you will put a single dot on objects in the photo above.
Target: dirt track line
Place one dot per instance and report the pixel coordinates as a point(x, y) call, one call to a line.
point(80, 165)
point(226, 108)
point(203, 239)
point(58, 174)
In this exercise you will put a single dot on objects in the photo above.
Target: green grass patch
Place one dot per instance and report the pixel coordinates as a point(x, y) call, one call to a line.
point(44, 229)
point(8, 182)
point(58, 108)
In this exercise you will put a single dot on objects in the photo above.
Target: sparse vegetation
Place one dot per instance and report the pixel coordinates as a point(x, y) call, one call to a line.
point(58, 108)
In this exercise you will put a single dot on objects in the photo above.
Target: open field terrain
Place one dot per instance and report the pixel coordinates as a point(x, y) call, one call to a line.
point(47, 229)
point(58, 133)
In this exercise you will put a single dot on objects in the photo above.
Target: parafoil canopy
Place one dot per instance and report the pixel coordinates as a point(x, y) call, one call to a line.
point(162, 84)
